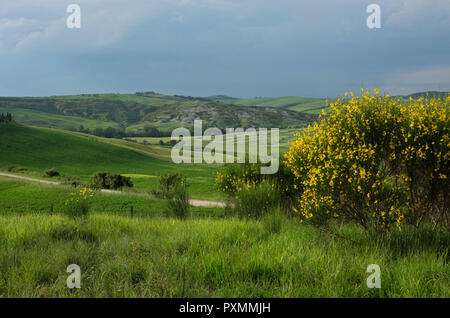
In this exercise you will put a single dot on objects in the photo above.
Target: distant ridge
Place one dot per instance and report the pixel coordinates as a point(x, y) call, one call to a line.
point(429, 94)
point(222, 97)
point(139, 112)
point(133, 112)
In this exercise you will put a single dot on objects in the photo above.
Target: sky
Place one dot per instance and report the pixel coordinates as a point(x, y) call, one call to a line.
point(241, 48)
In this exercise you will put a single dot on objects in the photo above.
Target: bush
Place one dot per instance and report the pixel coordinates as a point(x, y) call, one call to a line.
point(178, 202)
point(51, 173)
point(377, 160)
point(78, 206)
point(235, 177)
point(16, 169)
point(73, 181)
point(168, 183)
point(173, 188)
point(107, 180)
point(256, 201)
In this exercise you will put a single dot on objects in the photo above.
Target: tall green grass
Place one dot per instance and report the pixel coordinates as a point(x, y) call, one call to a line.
point(124, 257)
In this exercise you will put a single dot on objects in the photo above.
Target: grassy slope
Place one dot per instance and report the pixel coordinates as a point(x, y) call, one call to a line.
point(43, 119)
point(40, 149)
point(145, 257)
point(300, 104)
point(286, 136)
point(149, 100)
point(153, 150)
point(136, 111)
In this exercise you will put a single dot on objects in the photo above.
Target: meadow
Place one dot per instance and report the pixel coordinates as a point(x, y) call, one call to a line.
point(80, 155)
point(300, 104)
point(25, 197)
point(252, 247)
point(207, 255)
point(121, 256)
point(43, 119)
point(71, 154)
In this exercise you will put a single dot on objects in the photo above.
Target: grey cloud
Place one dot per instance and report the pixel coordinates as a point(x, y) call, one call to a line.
point(236, 47)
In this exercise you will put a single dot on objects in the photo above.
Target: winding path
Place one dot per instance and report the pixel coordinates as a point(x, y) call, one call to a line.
point(200, 203)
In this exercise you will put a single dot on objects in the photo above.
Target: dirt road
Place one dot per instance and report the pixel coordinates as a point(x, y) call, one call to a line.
point(200, 203)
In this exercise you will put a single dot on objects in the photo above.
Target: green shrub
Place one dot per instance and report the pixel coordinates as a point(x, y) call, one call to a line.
point(178, 202)
point(78, 210)
point(72, 181)
point(168, 183)
point(173, 188)
point(78, 205)
point(235, 177)
point(16, 169)
point(256, 201)
point(107, 180)
point(51, 173)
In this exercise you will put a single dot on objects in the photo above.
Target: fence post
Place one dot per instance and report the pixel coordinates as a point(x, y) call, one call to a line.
point(132, 211)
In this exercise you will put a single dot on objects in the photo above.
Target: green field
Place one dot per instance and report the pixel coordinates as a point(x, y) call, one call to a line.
point(72, 155)
point(209, 254)
point(157, 100)
point(43, 119)
point(286, 136)
point(134, 112)
point(24, 197)
point(77, 154)
point(146, 257)
point(300, 104)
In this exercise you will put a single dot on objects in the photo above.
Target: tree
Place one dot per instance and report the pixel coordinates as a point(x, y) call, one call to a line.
point(98, 131)
point(6, 118)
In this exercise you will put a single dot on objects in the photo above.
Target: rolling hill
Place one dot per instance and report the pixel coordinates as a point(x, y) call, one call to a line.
point(300, 104)
point(134, 111)
point(436, 94)
point(39, 149)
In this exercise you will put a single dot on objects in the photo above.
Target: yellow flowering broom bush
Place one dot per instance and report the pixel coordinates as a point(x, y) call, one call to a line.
point(235, 177)
point(377, 160)
point(78, 204)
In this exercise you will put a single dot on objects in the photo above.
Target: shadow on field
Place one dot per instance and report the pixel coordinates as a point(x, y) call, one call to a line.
point(399, 243)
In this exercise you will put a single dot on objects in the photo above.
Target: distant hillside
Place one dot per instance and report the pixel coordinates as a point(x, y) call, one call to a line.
point(80, 155)
point(299, 104)
point(430, 94)
point(137, 114)
point(137, 110)
point(38, 149)
point(223, 98)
